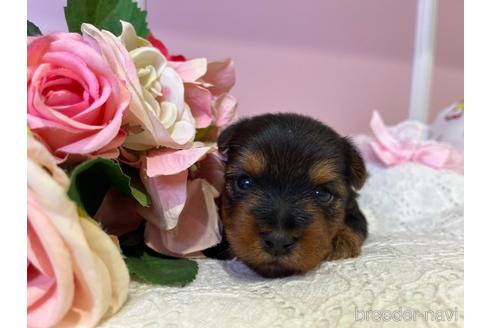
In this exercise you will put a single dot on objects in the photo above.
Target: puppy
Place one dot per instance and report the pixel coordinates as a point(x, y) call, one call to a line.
point(289, 201)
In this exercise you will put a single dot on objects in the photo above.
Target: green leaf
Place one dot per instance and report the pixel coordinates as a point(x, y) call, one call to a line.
point(106, 14)
point(90, 181)
point(202, 133)
point(32, 29)
point(161, 271)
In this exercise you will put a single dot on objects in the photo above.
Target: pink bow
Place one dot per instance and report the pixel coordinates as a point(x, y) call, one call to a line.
point(406, 142)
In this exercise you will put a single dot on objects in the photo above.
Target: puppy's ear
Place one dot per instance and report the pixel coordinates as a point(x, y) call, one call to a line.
point(225, 138)
point(356, 169)
point(228, 138)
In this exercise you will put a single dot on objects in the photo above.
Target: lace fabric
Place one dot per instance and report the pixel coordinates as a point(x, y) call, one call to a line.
point(412, 261)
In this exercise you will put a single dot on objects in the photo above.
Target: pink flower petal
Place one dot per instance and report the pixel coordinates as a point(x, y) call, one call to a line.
point(100, 139)
point(198, 226)
point(170, 162)
point(225, 110)
point(76, 65)
point(91, 277)
point(168, 194)
point(36, 48)
point(35, 123)
point(55, 135)
point(221, 75)
point(39, 285)
point(63, 75)
point(112, 149)
point(82, 49)
point(75, 102)
point(60, 91)
point(91, 115)
point(36, 105)
point(114, 51)
point(49, 251)
point(190, 70)
point(383, 134)
point(133, 159)
point(200, 101)
point(36, 150)
point(56, 116)
point(385, 155)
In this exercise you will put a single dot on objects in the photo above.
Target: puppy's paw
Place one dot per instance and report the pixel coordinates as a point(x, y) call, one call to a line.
point(345, 244)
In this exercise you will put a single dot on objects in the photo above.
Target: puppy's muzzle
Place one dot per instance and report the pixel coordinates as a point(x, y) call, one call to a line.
point(278, 243)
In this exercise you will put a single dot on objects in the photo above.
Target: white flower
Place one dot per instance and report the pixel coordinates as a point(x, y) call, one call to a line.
point(162, 92)
point(157, 115)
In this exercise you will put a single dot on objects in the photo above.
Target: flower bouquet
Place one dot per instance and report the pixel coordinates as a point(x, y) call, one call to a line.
point(123, 168)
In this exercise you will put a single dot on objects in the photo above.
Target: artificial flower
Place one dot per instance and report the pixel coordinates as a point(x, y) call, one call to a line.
point(75, 102)
point(208, 95)
point(198, 227)
point(183, 186)
point(170, 100)
point(206, 87)
point(158, 115)
point(75, 273)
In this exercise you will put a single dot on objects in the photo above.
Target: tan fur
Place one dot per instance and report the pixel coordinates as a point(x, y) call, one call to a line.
point(346, 244)
point(254, 163)
point(322, 172)
point(243, 234)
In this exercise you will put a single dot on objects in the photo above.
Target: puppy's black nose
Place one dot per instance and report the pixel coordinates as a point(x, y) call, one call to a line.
point(277, 244)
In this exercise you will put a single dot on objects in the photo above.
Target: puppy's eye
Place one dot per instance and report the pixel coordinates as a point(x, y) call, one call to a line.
point(244, 183)
point(323, 195)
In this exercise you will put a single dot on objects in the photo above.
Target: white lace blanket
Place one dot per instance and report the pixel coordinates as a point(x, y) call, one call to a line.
point(411, 269)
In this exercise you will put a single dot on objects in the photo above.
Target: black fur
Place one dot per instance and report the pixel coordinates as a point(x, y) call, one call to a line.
point(293, 143)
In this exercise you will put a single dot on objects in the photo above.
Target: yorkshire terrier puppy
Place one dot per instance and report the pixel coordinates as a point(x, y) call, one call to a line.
point(290, 194)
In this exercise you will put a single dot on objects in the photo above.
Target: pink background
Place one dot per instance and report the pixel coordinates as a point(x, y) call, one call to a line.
point(335, 60)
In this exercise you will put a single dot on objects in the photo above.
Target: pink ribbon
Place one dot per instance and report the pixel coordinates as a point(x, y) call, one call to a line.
point(405, 143)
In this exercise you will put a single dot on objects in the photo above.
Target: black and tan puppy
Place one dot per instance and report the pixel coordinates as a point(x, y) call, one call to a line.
point(289, 200)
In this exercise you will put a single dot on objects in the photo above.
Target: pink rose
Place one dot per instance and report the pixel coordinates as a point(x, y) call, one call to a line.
point(75, 273)
point(75, 102)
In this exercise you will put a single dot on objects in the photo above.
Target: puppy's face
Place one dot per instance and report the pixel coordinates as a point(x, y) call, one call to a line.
point(288, 181)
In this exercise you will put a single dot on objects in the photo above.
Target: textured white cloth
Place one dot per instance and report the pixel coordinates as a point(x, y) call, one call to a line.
point(412, 261)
